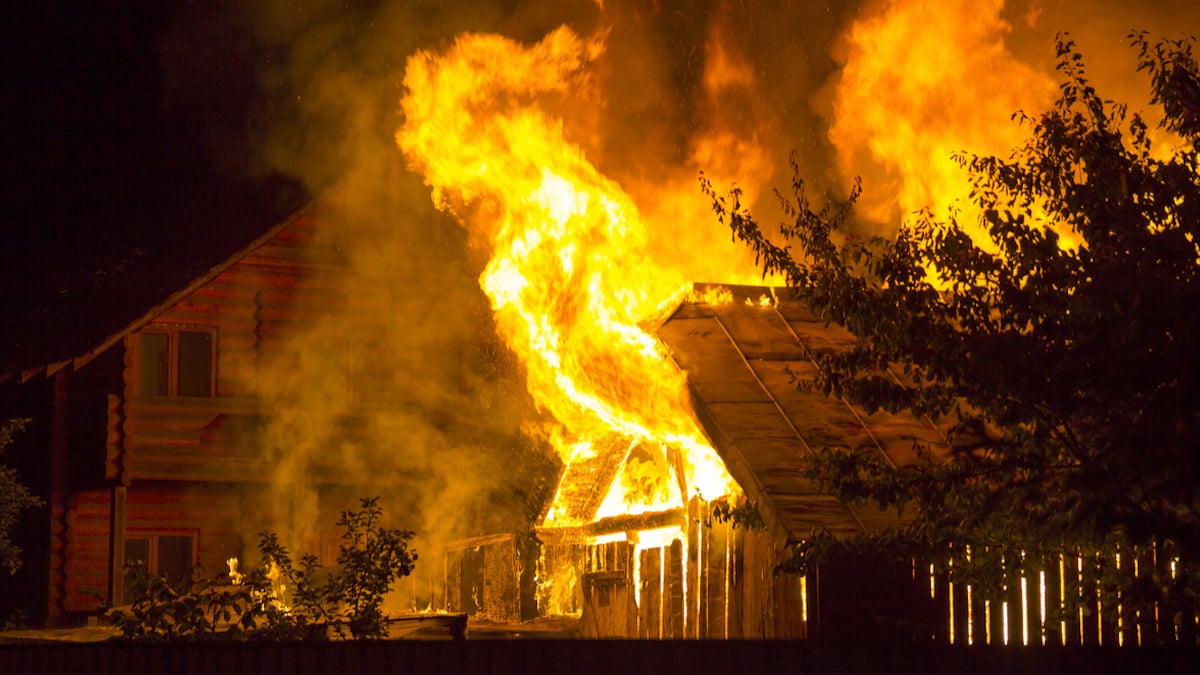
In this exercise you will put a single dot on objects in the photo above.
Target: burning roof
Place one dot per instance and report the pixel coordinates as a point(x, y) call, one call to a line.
point(743, 360)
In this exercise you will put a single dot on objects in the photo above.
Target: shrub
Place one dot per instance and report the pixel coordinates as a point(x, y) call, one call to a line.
point(281, 600)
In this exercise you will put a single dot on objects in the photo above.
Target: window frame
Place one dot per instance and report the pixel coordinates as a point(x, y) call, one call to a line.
point(172, 333)
point(152, 536)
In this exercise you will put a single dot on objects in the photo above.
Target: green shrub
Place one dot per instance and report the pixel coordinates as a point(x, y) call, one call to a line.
point(282, 599)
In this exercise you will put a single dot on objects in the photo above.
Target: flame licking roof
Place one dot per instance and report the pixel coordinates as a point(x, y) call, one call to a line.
point(741, 362)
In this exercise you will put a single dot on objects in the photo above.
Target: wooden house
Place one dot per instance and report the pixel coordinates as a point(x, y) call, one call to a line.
point(153, 441)
point(156, 444)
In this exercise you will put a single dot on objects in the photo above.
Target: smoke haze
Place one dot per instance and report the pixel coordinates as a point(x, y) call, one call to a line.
point(877, 89)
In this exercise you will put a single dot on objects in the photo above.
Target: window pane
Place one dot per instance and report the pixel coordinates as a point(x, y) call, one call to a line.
point(195, 363)
point(137, 551)
point(153, 364)
point(175, 557)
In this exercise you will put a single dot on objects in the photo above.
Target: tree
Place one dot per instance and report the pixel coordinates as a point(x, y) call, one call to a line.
point(1068, 375)
point(14, 498)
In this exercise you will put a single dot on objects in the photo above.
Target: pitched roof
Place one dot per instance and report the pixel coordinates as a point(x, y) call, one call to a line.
point(83, 319)
point(743, 363)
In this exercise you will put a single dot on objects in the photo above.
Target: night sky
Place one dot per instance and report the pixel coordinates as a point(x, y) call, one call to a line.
point(138, 138)
point(121, 157)
point(101, 135)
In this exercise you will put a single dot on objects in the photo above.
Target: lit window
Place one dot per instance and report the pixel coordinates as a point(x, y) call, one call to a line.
point(176, 361)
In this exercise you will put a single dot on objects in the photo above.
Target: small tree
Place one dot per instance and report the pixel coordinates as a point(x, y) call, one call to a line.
point(371, 558)
point(14, 498)
point(1070, 373)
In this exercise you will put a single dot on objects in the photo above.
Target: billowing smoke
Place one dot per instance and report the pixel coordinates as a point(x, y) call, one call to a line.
point(881, 89)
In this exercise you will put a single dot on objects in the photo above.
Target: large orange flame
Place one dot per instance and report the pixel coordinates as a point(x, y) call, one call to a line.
point(922, 80)
point(569, 278)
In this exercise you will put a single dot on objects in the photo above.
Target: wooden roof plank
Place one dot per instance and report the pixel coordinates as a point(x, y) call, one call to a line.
point(765, 430)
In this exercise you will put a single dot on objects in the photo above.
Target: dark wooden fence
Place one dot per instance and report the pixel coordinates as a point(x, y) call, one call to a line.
point(576, 657)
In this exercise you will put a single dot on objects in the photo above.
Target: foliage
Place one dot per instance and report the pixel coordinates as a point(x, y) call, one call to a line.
point(281, 600)
point(14, 498)
point(1066, 371)
point(203, 609)
point(743, 513)
point(371, 558)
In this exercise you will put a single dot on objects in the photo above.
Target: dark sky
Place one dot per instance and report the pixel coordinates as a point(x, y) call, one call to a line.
point(102, 148)
point(127, 169)
point(136, 132)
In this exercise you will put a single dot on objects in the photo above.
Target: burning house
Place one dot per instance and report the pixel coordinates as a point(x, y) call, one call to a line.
point(558, 412)
point(646, 555)
point(268, 392)
point(664, 405)
point(159, 450)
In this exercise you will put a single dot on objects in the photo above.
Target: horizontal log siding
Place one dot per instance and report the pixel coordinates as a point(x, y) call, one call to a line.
point(212, 512)
point(190, 439)
point(86, 551)
point(254, 305)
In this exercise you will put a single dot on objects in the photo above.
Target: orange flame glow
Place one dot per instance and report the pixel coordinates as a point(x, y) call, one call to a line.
point(924, 79)
point(570, 281)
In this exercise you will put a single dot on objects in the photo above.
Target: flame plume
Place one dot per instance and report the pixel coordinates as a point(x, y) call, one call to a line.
point(922, 80)
point(569, 278)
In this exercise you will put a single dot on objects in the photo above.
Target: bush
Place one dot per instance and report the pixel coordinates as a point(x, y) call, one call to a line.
point(281, 600)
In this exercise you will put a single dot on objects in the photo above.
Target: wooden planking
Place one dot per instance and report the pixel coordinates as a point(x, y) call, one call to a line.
point(756, 586)
point(651, 594)
point(715, 369)
point(608, 607)
point(500, 576)
point(715, 610)
point(789, 600)
point(673, 599)
point(733, 607)
point(695, 533)
point(1074, 614)
point(86, 551)
point(759, 333)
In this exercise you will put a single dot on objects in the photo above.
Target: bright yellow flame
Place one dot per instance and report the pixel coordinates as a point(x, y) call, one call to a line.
point(645, 484)
point(569, 279)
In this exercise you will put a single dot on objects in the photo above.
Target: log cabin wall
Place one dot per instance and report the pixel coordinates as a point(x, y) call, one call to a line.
point(202, 520)
point(171, 472)
point(138, 453)
point(246, 311)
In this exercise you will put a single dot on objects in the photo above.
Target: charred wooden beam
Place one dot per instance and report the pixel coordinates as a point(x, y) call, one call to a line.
point(613, 525)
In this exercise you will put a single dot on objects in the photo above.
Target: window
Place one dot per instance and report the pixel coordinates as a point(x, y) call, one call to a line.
point(171, 555)
point(176, 361)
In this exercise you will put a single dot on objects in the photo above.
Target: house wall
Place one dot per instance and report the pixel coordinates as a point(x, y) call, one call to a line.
point(483, 577)
point(251, 306)
point(183, 465)
point(120, 463)
point(719, 582)
point(212, 514)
